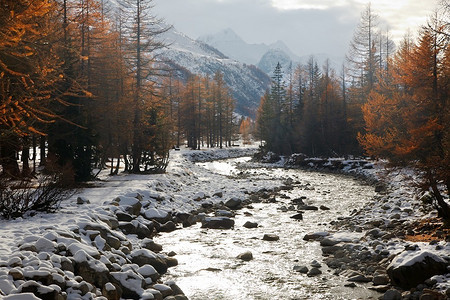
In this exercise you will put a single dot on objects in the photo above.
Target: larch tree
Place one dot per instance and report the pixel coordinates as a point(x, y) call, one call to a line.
point(407, 122)
point(29, 69)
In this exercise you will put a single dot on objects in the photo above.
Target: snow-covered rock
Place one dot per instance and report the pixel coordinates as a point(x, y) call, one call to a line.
point(408, 268)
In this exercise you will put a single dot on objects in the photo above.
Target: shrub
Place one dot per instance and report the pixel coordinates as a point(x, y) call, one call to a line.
point(20, 197)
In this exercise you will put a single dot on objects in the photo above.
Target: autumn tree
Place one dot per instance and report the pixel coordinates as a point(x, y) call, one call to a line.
point(407, 122)
point(29, 69)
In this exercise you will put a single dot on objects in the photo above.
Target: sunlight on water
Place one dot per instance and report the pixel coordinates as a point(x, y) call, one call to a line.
point(208, 268)
point(224, 167)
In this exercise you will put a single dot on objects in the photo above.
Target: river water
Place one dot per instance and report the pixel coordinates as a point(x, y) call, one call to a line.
point(208, 268)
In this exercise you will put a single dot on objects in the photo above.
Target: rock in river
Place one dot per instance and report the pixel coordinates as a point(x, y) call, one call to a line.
point(408, 269)
point(246, 256)
point(218, 223)
point(249, 224)
point(270, 237)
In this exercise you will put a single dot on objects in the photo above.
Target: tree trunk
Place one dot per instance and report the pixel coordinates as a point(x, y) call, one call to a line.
point(8, 158)
point(26, 171)
point(442, 207)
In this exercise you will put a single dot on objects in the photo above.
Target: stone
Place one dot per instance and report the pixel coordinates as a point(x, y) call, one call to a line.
point(359, 278)
point(168, 227)
point(380, 280)
point(111, 291)
point(314, 272)
point(81, 201)
point(218, 194)
point(224, 213)
point(218, 223)
point(328, 242)
point(307, 207)
point(249, 224)
point(270, 237)
point(233, 203)
point(16, 274)
point(315, 264)
point(171, 261)
point(380, 288)
point(407, 269)
point(315, 236)
point(40, 291)
point(165, 290)
point(113, 242)
point(392, 295)
point(175, 288)
point(350, 285)
point(146, 257)
point(298, 216)
point(301, 269)
point(246, 256)
point(151, 245)
point(331, 249)
point(123, 216)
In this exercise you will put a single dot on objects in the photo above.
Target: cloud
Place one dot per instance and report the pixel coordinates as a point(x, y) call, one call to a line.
point(306, 26)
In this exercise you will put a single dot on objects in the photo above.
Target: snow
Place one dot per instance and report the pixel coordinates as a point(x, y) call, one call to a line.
point(154, 213)
point(185, 180)
point(409, 258)
point(147, 270)
point(24, 296)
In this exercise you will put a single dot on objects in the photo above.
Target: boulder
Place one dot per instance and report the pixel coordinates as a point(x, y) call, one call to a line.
point(146, 257)
point(249, 224)
point(301, 269)
point(270, 237)
point(233, 203)
point(218, 223)
point(408, 269)
point(123, 216)
point(151, 245)
point(392, 295)
point(169, 226)
point(307, 207)
point(130, 283)
point(112, 291)
point(90, 269)
point(40, 291)
point(380, 280)
point(246, 256)
point(315, 236)
point(314, 272)
point(298, 216)
point(158, 215)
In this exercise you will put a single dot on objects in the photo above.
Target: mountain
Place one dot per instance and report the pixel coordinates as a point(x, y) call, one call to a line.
point(246, 82)
point(271, 58)
point(232, 45)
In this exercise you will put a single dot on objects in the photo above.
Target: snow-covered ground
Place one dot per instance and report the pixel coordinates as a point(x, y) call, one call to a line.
point(84, 232)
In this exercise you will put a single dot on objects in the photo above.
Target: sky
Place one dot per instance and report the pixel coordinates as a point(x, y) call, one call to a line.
point(306, 26)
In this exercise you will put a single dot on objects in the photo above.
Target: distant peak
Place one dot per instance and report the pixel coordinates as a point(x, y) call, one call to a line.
point(226, 35)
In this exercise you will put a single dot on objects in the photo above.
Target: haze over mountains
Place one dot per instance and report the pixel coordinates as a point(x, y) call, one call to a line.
point(187, 56)
point(262, 55)
point(246, 67)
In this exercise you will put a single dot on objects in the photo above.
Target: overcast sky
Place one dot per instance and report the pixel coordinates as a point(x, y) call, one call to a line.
point(306, 26)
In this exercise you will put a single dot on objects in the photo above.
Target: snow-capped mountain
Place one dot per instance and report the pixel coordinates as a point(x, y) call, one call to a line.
point(271, 58)
point(247, 82)
point(232, 45)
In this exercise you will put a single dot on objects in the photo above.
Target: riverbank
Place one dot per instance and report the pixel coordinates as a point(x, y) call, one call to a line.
point(395, 242)
point(98, 244)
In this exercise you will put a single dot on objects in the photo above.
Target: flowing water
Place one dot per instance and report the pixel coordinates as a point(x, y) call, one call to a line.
point(208, 268)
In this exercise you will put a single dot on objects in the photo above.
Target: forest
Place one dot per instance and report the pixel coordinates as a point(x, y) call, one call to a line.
point(385, 103)
point(81, 84)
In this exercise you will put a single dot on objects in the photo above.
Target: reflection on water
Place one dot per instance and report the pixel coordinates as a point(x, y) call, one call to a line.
point(208, 268)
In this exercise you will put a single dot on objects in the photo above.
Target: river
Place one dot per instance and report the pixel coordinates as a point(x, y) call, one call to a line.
point(208, 267)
